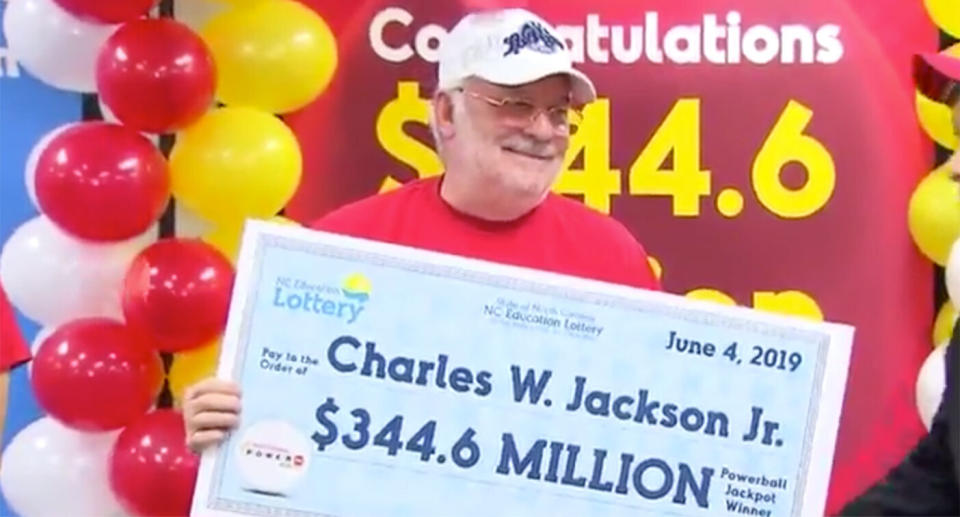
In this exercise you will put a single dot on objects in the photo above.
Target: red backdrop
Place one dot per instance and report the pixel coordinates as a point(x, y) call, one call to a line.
point(778, 179)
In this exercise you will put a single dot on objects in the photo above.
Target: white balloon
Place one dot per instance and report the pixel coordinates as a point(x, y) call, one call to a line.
point(952, 274)
point(109, 116)
point(190, 225)
point(107, 113)
point(38, 340)
point(51, 470)
point(931, 381)
point(53, 277)
point(30, 171)
point(196, 13)
point(53, 45)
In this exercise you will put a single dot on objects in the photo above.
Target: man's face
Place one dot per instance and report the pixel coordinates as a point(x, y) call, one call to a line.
point(513, 139)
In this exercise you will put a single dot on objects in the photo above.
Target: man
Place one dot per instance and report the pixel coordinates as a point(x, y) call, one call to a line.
point(13, 348)
point(927, 481)
point(501, 120)
point(13, 352)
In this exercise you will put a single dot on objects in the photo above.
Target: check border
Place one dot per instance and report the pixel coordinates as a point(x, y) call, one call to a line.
point(260, 237)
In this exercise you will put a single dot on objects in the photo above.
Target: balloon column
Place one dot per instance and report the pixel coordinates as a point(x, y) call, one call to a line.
point(934, 223)
point(115, 290)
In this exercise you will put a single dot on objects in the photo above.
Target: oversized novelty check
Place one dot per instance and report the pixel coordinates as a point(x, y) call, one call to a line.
point(381, 381)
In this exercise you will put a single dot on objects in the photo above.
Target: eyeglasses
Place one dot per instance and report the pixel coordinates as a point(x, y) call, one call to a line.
point(520, 112)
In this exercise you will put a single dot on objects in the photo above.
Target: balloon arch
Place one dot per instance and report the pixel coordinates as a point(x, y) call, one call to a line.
point(119, 300)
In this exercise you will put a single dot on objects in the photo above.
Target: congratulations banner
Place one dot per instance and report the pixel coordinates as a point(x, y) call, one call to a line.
point(472, 389)
point(763, 152)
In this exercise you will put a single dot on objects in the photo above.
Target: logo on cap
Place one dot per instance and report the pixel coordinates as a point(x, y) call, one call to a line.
point(532, 35)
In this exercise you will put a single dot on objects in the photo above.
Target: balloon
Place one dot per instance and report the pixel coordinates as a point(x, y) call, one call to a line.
point(52, 277)
point(101, 181)
point(936, 118)
point(192, 366)
point(30, 170)
point(943, 326)
point(108, 116)
point(55, 46)
point(946, 14)
point(152, 472)
point(226, 238)
point(107, 11)
point(156, 75)
point(235, 163)
point(38, 340)
point(189, 224)
point(51, 470)
point(177, 291)
point(96, 374)
point(931, 381)
point(656, 267)
point(277, 56)
point(933, 215)
point(951, 274)
point(196, 13)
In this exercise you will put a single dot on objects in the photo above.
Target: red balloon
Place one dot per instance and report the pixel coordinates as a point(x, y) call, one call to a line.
point(107, 11)
point(178, 292)
point(95, 374)
point(156, 75)
point(152, 472)
point(102, 182)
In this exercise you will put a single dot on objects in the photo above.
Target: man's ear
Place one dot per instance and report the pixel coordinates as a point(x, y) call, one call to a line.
point(443, 112)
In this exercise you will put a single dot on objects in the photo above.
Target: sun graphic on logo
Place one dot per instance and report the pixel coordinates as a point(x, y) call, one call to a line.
point(356, 286)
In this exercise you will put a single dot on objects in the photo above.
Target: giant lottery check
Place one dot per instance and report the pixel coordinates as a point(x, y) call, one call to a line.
point(381, 381)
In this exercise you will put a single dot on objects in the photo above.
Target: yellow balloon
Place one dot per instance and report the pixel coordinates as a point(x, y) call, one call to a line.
point(946, 14)
point(933, 215)
point(711, 295)
point(192, 366)
point(275, 55)
point(936, 119)
point(235, 163)
point(656, 267)
point(943, 326)
point(226, 238)
point(285, 221)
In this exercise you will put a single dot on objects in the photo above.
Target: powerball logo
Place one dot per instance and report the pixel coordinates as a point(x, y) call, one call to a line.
point(345, 301)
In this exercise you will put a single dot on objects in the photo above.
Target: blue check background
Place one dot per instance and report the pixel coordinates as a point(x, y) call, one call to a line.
point(419, 311)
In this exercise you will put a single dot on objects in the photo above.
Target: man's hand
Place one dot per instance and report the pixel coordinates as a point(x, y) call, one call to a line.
point(211, 408)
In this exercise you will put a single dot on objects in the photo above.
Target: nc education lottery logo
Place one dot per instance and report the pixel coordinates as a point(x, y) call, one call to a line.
point(345, 301)
point(536, 317)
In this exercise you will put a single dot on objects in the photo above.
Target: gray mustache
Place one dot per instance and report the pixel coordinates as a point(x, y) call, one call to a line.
point(531, 146)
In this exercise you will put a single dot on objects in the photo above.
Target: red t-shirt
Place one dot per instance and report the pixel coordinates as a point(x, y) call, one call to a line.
point(13, 348)
point(561, 235)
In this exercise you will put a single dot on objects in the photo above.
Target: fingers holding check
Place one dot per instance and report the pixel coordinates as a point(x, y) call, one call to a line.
point(211, 408)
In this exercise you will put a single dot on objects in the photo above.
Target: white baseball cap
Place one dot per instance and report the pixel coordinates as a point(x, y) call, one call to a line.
point(508, 47)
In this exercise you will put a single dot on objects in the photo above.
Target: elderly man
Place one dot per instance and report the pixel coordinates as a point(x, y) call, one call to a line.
point(501, 117)
point(927, 481)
